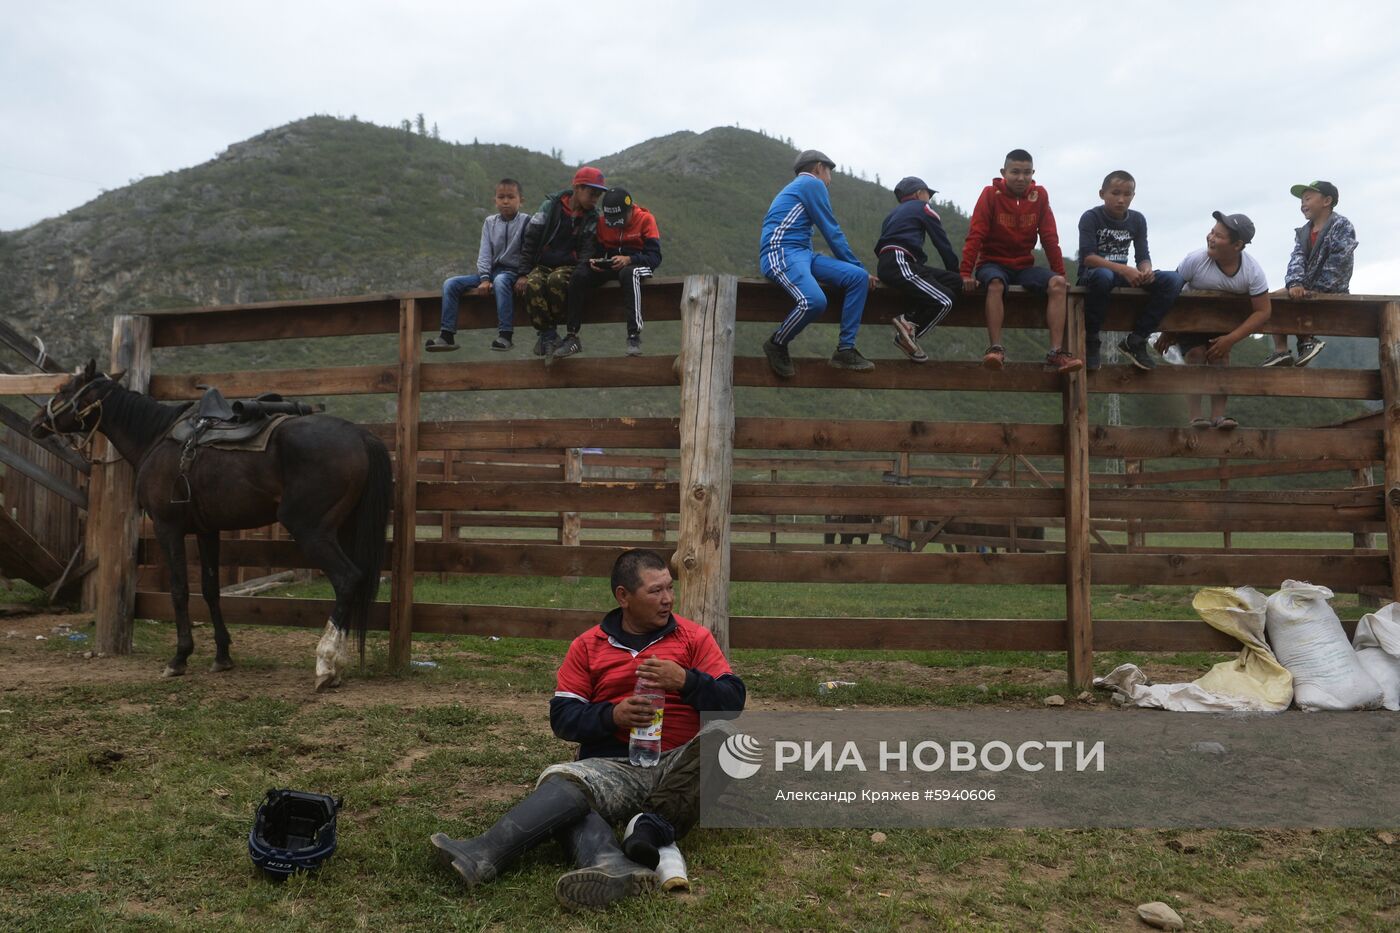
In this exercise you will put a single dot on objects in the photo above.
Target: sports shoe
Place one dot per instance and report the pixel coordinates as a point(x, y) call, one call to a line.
point(1308, 350)
point(1059, 360)
point(634, 345)
point(569, 346)
point(544, 342)
point(905, 337)
point(994, 357)
point(1138, 353)
point(778, 359)
point(1279, 358)
point(1093, 353)
point(503, 341)
point(850, 358)
point(442, 343)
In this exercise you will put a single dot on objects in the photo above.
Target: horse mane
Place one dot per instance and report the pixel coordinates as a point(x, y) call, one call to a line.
point(138, 416)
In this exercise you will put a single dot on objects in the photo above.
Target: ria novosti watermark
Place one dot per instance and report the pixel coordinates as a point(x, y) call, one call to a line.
point(1051, 768)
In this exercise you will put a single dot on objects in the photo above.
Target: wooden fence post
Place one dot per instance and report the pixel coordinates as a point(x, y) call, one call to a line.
point(114, 519)
point(1364, 477)
point(1078, 619)
point(701, 560)
point(569, 522)
point(406, 489)
point(1390, 388)
point(658, 533)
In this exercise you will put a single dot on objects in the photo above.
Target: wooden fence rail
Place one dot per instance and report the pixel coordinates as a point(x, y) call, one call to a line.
point(692, 484)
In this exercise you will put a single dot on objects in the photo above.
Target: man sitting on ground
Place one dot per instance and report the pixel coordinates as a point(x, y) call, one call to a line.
point(594, 704)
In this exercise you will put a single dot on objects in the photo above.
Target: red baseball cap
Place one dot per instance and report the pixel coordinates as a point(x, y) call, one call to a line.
point(590, 176)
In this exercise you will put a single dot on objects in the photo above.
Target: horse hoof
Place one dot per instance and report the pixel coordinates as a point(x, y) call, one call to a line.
point(327, 681)
point(220, 666)
point(172, 671)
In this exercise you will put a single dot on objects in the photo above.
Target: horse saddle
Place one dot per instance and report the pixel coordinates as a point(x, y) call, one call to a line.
point(242, 425)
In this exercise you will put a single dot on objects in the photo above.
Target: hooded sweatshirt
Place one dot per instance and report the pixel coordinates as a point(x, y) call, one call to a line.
point(1004, 230)
point(639, 238)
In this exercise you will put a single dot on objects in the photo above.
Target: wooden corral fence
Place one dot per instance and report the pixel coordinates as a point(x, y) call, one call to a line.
point(707, 442)
point(42, 494)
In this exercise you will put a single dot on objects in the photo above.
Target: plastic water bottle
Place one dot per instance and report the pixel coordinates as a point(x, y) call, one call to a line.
point(644, 747)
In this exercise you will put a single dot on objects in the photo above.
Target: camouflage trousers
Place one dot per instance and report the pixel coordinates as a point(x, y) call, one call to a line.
point(547, 296)
point(619, 790)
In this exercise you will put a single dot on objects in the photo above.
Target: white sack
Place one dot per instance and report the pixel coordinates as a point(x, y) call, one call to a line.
point(1307, 637)
point(1377, 644)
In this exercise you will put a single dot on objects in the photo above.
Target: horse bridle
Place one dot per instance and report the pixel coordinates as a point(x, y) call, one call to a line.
point(55, 407)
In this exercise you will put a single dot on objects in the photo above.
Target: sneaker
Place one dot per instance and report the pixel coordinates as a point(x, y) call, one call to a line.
point(850, 358)
point(503, 341)
point(1093, 353)
point(442, 343)
point(1138, 353)
point(905, 339)
point(778, 359)
point(634, 345)
point(1279, 358)
point(994, 357)
point(569, 346)
point(1308, 350)
point(1059, 360)
point(544, 342)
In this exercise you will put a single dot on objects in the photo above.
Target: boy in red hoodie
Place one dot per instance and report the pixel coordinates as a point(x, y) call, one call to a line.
point(1010, 215)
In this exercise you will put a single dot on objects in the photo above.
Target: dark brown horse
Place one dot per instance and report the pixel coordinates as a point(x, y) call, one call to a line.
point(328, 482)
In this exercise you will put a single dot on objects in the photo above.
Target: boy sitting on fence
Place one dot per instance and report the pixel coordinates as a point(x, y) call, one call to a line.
point(558, 238)
point(1223, 266)
point(627, 250)
point(902, 265)
point(1105, 233)
point(1320, 264)
point(1011, 214)
point(497, 265)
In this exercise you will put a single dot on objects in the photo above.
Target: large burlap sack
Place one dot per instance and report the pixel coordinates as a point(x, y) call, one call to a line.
point(1307, 637)
point(1377, 644)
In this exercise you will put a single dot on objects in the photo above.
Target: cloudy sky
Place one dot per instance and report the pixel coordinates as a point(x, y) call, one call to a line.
point(1212, 105)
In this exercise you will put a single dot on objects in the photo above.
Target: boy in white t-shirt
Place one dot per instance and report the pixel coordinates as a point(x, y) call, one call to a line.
point(1223, 266)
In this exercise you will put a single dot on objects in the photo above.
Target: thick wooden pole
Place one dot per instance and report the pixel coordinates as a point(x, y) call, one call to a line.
point(406, 489)
point(1078, 617)
point(114, 519)
point(701, 560)
point(569, 522)
point(1390, 388)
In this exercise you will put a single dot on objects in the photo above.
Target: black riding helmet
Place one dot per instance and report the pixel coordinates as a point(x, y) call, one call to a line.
point(293, 831)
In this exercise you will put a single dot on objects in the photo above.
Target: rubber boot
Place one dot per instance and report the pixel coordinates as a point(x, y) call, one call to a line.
point(554, 805)
point(604, 873)
point(670, 869)
point(646, 833)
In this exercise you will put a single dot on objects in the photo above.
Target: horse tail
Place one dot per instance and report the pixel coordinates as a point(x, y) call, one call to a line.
point(368, 526)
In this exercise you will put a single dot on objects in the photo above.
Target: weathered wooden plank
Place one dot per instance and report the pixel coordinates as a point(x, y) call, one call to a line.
point(32, 383)
point(340, 380)
point(1343, 444)
point(702, 555)
point(1390, 378)
point(23, 557)
point(114, 516)
point(38, 474)
point(577, 373)
point(401, 607)
point(20, 426)
point(551, 433)
point(1342, 571)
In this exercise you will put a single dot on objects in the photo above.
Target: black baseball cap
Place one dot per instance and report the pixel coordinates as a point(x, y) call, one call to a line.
point(910, 186)
point(808, 156)
point(617, 207)
point(1242, 226)
point(1324, 188)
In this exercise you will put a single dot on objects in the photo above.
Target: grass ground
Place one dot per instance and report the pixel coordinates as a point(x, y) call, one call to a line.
point(127, 798)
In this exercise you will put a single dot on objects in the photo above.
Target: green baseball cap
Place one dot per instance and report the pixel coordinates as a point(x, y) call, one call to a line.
point(1324, 188)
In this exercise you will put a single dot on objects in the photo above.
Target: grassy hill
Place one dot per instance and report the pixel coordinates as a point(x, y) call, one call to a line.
point(325, 206)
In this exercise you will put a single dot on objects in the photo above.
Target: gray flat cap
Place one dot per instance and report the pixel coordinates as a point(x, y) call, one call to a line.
point(808, 156)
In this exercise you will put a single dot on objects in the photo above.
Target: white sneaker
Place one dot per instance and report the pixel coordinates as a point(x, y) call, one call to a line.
point(670, 871)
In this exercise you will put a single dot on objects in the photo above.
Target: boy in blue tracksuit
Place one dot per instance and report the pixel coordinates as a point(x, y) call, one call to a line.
point(786, 257)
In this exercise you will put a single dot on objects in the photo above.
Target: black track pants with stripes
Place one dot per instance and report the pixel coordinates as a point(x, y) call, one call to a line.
point(586, 279)
point(931, 290)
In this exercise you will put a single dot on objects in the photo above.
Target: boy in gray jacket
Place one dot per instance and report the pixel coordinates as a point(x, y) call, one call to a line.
point(497, 266)
point(1320, 264)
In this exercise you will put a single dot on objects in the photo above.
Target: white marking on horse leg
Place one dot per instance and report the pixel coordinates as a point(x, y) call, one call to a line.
point(332, 657)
